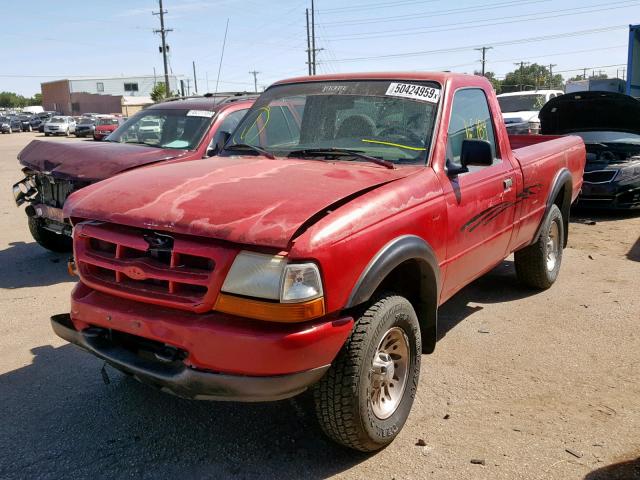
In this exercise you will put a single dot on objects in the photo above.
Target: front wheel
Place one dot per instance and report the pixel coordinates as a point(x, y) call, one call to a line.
point(538, 265)
point(51, 241)
point(365, 397)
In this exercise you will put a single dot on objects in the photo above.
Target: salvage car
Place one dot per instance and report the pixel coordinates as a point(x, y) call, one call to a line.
point(520, 109)
point(10, 124)
point(105, 126)
point(26, 122)
point(191, 130)
point(609, 124)
point(316, 249)
point(60, 125)
point(85, 126)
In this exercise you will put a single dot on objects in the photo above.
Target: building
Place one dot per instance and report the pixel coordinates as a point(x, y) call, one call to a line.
point(99, 95)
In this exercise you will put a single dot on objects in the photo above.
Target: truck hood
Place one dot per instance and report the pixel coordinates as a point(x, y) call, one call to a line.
point(90, 161)
point(590, 111)
point(245, 200)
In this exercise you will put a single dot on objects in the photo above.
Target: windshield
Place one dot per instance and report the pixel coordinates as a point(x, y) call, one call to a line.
point(86, 121)
point(380, 118)
point(172, 128)
point(58, 120)
point(521, 103)
point(107, 121)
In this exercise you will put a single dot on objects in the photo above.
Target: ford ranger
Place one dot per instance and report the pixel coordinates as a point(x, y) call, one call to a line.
point(315, 252)
point(190, 130)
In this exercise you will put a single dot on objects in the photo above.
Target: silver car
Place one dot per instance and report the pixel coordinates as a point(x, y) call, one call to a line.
point(60, 126)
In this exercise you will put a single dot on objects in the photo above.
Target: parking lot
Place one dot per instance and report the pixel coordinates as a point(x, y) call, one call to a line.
point(522, 384)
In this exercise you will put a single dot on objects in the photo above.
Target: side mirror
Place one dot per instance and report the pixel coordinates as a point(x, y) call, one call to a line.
point(473, 152)
point(217, 145)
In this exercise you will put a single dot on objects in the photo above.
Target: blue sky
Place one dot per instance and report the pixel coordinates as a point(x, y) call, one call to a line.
point(45, 41)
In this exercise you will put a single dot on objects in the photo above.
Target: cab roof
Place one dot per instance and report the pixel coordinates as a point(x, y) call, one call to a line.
point(440, 77)
point(213, 102)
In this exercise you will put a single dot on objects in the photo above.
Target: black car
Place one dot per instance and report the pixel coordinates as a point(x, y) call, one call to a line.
point(609, 124)
point(26, 122)
point(85, 127)
point(10, 124)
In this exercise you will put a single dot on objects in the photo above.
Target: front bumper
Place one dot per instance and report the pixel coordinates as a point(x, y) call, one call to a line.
point(609, 196)
point(222, 357)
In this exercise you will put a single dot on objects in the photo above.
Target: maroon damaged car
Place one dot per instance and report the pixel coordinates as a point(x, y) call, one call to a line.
point(189, 129)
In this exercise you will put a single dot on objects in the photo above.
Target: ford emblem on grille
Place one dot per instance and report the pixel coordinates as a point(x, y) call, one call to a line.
point(158, 242)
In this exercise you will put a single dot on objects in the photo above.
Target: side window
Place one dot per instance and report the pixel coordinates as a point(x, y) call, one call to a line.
point(229, 124)
point(276, 124)
point(99, 86)
point(470, 119)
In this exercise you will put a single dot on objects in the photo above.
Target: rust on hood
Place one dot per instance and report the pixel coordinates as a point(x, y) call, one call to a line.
point(246, 200)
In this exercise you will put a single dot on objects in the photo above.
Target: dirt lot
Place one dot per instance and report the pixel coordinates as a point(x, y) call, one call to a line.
point(536, 385)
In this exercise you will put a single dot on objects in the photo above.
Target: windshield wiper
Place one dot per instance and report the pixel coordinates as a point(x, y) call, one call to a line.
point(253, 148)
point(346, 152)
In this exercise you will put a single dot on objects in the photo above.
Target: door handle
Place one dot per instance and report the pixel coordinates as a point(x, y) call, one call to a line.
point(507, 183)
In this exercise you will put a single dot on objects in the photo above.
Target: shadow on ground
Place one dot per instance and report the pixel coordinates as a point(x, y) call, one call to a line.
point(618, 471)
point(497, 286)
point(29, 265)
point(583, 215)
point(59, 420)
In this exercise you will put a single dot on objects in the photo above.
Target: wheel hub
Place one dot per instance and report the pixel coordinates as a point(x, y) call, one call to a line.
point(553, 243)
point(389, 373)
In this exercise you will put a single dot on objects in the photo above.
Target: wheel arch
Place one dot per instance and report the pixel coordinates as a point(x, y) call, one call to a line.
point(408, 266)
point(560, 195)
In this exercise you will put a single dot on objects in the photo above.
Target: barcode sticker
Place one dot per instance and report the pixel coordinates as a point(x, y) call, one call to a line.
point(415, 92)
point(200, 113)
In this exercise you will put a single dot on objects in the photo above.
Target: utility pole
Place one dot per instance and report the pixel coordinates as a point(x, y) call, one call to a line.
point(195, 81)
point(521, 64)
point(551, 65)
point(308, 44)
point(255, 80)
point(484, 60)
point(188, 80)
point(313, 37)
point(163, 33)
point(584, 73)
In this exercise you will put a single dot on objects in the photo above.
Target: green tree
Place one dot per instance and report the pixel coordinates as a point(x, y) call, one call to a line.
point(158, 93)
point(491, 76)
point(36, 99)
point(531, 77)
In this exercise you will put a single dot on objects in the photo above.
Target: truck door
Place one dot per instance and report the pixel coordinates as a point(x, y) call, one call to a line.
point(479, 202)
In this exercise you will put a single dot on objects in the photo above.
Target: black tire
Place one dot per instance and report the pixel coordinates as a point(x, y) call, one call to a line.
point(343, 397)
point(46, 134)
point(532, 262)
point(49, 240)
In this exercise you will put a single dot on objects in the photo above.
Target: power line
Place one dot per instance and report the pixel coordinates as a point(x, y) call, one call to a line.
point(540, 38)
point(374, 5)
point(475, 24)
point(436, 13)
point(163, 34)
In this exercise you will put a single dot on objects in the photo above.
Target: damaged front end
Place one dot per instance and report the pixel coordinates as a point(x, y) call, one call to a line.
point(45, 196)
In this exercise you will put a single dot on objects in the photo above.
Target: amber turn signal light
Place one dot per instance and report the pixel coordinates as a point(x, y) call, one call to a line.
point(71, 267)
point(268, 311)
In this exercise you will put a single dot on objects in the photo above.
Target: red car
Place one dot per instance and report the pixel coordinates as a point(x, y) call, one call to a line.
point(190, 129)
point(105, 126)
point(316, 250)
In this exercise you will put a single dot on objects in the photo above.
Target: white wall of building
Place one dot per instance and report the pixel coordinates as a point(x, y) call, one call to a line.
point(116, 85)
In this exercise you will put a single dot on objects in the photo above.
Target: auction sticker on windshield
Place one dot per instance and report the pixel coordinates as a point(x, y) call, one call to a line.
point(415, 92)
point(200, 113)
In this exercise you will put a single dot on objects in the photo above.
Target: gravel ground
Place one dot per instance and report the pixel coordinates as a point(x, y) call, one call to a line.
point(532, 385)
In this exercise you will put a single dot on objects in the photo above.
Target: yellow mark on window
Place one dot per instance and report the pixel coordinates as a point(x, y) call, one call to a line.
point(476, 130)
point(393, 144)
point(267, 111)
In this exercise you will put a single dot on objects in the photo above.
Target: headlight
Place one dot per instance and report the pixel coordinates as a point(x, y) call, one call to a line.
point(271, 277)
point(627, 173)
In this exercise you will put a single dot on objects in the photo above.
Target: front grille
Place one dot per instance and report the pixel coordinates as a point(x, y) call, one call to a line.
point(53, 191)
point(118, 260)
point(599, 176)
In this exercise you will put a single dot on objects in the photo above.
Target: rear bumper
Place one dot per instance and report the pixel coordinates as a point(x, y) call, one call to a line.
point(223, 357)
point(178, 379)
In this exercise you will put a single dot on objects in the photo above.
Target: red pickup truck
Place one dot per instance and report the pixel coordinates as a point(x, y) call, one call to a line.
point(315, 251)
point(185, 129)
